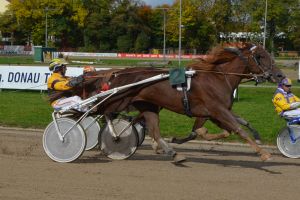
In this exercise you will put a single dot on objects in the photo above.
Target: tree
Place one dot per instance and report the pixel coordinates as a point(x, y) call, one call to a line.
point(100, 25)
point(279, 18)
point(293, 27)
point(142, 43)
point(9, 26)
point(96, 25)
point(124, 43)
point(197, 32)
point(129, 20)
point(64, 20)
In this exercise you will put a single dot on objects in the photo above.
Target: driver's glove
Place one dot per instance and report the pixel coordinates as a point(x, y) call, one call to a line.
point(76, 81)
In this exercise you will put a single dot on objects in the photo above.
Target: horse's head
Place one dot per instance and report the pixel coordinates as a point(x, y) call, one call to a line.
point(262, 63)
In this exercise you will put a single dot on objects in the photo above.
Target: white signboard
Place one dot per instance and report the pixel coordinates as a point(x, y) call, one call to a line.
point(29, 77)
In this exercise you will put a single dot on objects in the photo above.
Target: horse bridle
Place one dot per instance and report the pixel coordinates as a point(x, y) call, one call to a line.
point(266, 74)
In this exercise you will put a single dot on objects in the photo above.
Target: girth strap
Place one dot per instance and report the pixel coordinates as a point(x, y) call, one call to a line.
point(185, 102)
point(181, 80)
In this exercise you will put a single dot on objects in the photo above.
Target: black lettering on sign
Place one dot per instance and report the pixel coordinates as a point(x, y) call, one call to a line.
point(0, 78)
point(17, 77)
point(47, 75)
point(10, 77)
point(36, 77)
point(23, 77)
point(33, 78)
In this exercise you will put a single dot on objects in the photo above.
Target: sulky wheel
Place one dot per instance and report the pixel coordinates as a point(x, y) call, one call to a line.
point(71, 147)
point(140, 131)
point(286, 146)
point(91, 128)
point(122, 146)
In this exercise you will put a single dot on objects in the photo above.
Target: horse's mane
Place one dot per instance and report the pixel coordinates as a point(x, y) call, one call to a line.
point(219, 54)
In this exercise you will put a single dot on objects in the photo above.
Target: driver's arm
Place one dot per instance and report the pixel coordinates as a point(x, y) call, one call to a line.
point(280, 101)
point(297, 99)
point(59, 84)
point(62, 85)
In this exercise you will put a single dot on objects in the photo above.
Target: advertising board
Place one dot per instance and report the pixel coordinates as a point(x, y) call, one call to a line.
point(29, 77)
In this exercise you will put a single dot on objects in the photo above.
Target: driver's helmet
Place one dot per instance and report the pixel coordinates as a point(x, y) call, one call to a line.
point(56, 63)
point(286, 82)
point(87, 69)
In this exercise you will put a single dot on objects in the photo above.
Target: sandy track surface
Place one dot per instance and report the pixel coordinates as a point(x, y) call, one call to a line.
point(214, 173)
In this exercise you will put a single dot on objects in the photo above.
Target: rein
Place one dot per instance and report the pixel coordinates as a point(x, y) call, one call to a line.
point(199, 70)
point(228, 73)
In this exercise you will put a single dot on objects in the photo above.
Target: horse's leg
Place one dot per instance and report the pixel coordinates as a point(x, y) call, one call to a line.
point(203, 132)
point(193, 135)
point(152, 123)
point(199, 130)
point(225, 119)
point(252, 130)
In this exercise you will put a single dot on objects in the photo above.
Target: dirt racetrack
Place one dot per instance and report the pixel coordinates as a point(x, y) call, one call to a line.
point(216, 173)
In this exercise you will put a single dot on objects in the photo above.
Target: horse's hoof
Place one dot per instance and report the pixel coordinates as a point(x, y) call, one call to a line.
point(156, 148)
point(159, 151)
point(225, 134)
point(172, 140)
point(258, 142)
point(266, 157)
point(179, 158)
point(202, 131)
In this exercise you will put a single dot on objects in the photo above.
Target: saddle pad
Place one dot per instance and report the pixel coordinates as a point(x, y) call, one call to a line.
point(177, 76)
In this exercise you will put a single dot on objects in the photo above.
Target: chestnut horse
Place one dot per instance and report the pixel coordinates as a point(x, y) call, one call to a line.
point(210, 96)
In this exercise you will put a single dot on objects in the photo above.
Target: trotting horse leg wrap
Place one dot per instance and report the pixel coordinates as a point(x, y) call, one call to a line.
point(167, 149)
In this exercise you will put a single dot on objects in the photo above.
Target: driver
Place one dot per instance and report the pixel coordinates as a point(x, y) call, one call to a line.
point(60, 86)
point(285, 102)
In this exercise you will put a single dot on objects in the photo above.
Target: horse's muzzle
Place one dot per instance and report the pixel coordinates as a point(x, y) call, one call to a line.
point(274, 78)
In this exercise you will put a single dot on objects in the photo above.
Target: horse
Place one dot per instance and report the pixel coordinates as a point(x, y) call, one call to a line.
point(210, 96)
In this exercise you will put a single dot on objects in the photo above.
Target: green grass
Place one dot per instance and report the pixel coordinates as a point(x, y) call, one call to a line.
point(24, 109)
point(31, 109)
point(16, 60)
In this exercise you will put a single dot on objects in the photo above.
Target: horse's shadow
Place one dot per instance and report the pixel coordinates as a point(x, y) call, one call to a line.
point(208, 158)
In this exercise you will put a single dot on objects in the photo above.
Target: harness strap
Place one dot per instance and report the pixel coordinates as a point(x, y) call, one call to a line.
point(185, 102)
point(226, 79)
